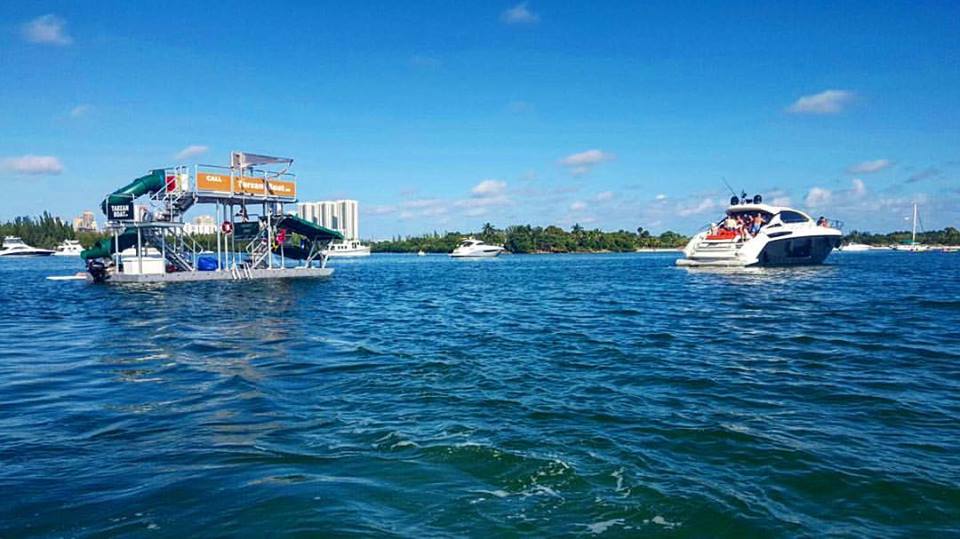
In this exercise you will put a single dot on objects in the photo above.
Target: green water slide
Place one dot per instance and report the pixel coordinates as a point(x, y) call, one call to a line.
point(150, 183)
point(104, 248)
point(313, 233)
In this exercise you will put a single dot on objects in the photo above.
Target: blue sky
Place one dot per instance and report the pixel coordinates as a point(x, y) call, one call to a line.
point(445, 115)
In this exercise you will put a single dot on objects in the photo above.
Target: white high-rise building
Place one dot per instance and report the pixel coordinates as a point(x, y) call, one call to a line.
point(340, 215)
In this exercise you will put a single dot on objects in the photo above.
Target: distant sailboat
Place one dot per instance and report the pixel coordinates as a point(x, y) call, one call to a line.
point(912, 246)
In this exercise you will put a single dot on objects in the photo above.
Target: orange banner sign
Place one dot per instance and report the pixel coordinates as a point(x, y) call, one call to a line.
point(208, 181)
point(220, 183)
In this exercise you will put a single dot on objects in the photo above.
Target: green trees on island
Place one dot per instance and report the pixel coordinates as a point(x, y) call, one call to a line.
point(47, 231)
point(947, 236)
point(535, 239)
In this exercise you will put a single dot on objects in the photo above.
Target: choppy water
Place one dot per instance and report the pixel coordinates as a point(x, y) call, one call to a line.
point(529, 395)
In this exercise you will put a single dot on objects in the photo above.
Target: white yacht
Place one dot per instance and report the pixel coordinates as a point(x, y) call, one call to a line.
point(421, 253)
point(786, 237)
point(474, 248)
point(68, 248)
point(14, 246)
point(347, 249)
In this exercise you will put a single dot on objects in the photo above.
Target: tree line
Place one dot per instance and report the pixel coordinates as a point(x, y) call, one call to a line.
point(46, 231)
point(947, 236)
point(536, 239)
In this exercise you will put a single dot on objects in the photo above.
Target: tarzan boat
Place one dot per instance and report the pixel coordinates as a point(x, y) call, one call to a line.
point(785, 237)
point(257, 239)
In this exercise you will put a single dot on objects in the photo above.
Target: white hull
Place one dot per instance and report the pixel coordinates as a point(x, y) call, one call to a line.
point(492, 254)
point(797, 241)
point(352, 253)
point(473, 248)
point(350, 249)
point(14, 246)
point(917, 248)
point(36, 252)
point(855, 248)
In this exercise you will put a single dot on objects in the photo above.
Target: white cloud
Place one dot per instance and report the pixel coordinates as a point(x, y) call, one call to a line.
point(191, 151)
point(421, 203)
point(80, 110)
point(927, 173)
point(478, 202)
point(859, 189)
point(704, 205)
point(489, 188)
point(604, 196)
point(782, 201)
point(583, 162)
point(380, 210)
point(519, 14)
point(818, 197)
point(578, 206)
point(48, 30)
point(33, 164)
point(868, 167)
point(487, 193)
point(661, 196)
point(826, 102)
point(475, 212)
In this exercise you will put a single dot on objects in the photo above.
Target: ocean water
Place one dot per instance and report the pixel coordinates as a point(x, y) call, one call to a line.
point(590, 395)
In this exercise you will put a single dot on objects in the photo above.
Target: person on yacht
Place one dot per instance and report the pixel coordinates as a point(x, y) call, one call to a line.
point(822, 221)
point(755, 224)
point(730, 223)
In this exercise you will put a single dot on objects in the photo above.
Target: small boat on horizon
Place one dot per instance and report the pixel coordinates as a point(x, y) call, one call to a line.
point(347, 249)
point(912, 246)
point(14, 246)
point(474, 248)
point(752, 233)
point(68, 248)
point(855, 248)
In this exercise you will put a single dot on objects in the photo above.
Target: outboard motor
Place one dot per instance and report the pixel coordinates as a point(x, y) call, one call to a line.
point(97, 270)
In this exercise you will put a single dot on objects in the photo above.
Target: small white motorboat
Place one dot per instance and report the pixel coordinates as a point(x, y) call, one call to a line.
point(68, 248)
point(14, 246)
point(474, 248)
point(347, 249)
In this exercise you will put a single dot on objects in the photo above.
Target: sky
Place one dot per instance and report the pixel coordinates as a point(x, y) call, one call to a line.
point(441, 116)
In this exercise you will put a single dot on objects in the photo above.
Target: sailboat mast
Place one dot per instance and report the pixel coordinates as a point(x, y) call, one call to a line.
point(914, 222)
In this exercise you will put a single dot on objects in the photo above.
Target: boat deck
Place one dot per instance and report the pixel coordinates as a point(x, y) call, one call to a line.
point(235, 275)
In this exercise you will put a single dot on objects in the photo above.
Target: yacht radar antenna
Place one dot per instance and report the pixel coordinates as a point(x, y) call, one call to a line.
point(733, 200)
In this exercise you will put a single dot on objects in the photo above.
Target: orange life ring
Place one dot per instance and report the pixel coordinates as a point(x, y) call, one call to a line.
point(226, 227)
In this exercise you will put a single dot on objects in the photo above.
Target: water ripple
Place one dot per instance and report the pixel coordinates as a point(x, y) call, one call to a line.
point(610, 395)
